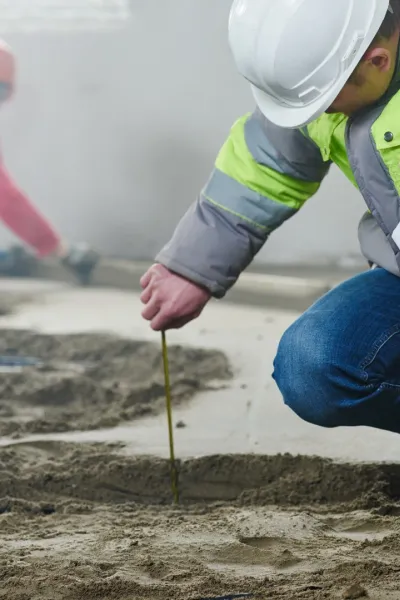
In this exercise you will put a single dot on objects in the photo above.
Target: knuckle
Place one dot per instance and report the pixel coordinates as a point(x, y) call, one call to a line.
point(172, 309)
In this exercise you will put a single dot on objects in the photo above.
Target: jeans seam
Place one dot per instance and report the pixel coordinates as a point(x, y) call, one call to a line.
point(377, 346)
point(387, 385)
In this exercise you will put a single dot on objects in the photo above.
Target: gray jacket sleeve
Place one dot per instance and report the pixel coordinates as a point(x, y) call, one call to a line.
point(263, 175)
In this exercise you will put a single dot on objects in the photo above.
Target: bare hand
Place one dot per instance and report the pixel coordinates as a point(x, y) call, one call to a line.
point(171, 300)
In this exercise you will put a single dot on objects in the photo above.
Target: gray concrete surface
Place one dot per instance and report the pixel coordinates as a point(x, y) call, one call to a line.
point(264, 289)
point(114, 132)
point(248, 416)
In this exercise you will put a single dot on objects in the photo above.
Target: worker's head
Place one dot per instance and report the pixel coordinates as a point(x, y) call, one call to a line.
point(305, 57)
point(372, 77)
point(7, 72)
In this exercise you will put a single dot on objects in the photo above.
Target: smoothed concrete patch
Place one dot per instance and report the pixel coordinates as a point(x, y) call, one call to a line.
point(247, 415)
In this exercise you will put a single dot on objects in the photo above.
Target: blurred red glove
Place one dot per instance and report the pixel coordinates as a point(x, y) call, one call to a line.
point(171, 300)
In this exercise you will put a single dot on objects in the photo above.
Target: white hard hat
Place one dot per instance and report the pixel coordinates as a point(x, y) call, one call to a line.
point(299, 54)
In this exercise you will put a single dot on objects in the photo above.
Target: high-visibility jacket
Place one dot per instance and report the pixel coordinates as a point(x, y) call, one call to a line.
point(264, 174)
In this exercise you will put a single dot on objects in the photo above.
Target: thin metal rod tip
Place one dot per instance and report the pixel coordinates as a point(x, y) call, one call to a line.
point(168, 401)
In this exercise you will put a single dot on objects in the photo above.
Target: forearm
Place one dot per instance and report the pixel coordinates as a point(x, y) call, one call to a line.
point(211, 247)
point(262, 176)
point(26, 222)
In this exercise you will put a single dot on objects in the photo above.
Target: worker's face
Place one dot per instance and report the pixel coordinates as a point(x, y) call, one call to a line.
point(371, 79)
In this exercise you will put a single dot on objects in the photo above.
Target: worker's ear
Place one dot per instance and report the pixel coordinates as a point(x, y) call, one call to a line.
point(380, 58)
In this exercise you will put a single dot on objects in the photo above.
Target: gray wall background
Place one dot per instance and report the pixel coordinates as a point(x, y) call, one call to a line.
point(113, 132)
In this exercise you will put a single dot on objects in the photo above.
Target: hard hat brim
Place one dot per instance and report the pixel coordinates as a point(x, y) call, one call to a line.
point(293, 118)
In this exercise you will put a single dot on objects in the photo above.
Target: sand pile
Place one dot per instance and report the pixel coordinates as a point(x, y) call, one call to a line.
point(94, 381)
point(88, 522)
point(91, 522)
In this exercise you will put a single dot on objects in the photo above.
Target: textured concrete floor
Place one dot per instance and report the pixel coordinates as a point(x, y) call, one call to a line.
point(248, 416)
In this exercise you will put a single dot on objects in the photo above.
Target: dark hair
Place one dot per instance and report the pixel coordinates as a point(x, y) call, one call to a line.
point(389, 25)
point(391, 22)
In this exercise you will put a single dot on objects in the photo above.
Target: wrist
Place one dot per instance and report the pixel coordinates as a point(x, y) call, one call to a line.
point(187, 276)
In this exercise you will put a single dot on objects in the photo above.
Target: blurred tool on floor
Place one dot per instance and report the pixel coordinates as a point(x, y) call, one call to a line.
point(79, 259)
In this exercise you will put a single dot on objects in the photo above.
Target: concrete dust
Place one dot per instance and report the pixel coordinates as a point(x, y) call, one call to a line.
point(95, 381)
point(91, 522)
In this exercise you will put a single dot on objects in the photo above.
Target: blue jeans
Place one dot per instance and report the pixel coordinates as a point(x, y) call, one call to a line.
point(339, 363)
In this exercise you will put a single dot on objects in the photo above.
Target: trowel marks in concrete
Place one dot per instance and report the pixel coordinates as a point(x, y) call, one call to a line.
point(95, 381)
point(87, 522)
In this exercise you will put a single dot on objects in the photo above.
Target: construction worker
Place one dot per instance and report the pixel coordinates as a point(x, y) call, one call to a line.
point(326, 79)
point(19, 214)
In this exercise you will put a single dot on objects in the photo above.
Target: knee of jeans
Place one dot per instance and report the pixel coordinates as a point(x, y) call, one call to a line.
point(306, 376)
